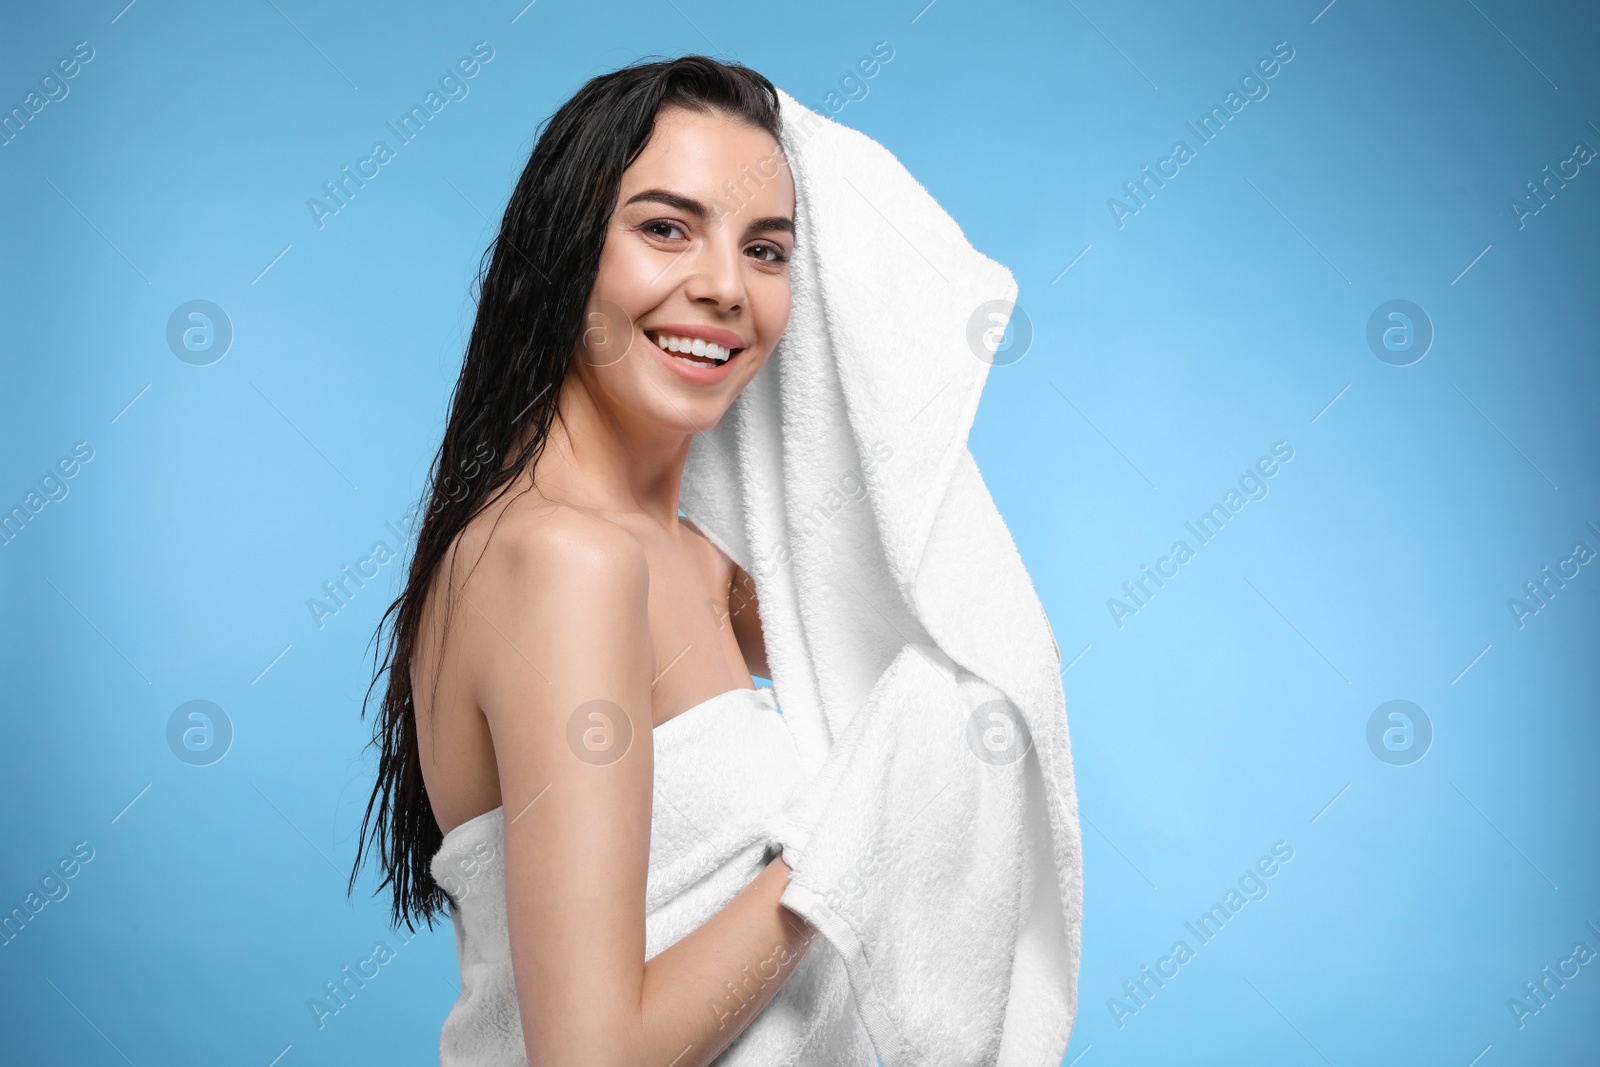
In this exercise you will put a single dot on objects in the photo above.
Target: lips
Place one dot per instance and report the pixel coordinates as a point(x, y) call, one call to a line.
point(698, 371)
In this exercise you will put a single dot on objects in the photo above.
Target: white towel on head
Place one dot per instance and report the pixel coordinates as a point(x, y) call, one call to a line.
point(935, 843)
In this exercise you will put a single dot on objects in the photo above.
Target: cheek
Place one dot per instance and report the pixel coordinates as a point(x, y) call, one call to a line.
point(619, 299)
point(771, 304)
point(629, 275)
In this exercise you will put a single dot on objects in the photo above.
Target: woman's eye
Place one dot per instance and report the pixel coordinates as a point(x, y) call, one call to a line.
point(655, 226)
point(777, 253)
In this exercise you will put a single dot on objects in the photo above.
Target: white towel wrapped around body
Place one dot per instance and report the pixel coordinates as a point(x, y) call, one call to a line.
point(722, 769)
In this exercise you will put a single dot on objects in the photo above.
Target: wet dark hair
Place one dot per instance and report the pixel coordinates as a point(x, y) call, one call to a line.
point(534, 282)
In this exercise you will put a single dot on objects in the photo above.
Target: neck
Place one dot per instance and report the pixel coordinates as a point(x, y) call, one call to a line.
point(598, 459)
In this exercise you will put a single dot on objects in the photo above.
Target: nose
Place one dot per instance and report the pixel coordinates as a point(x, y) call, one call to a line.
point(716, 275)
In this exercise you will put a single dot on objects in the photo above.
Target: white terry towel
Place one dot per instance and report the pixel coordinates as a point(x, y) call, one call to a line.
point(935, 843)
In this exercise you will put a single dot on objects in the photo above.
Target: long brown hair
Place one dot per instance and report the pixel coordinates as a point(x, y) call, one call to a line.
point(533, 283)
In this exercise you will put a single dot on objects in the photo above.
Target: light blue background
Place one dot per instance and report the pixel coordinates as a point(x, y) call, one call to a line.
point(1229, 313)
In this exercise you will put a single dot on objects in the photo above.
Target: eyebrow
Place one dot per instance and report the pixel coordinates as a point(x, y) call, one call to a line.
point(694, 207)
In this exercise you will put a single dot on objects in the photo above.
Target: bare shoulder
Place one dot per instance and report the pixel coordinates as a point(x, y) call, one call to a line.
point(551, 597)
point(532, 540)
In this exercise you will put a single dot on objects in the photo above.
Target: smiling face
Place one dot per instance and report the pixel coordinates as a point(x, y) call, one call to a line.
point(695, 265)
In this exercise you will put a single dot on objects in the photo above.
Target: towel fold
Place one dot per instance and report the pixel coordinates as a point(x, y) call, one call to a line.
point(935, 839)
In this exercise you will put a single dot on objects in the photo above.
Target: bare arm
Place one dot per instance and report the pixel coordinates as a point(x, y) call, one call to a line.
point(561, 665)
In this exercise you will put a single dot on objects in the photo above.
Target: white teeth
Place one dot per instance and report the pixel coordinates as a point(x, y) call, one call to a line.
point(693, 346)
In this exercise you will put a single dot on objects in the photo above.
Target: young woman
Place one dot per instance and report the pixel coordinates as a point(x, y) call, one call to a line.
point(558, 610)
